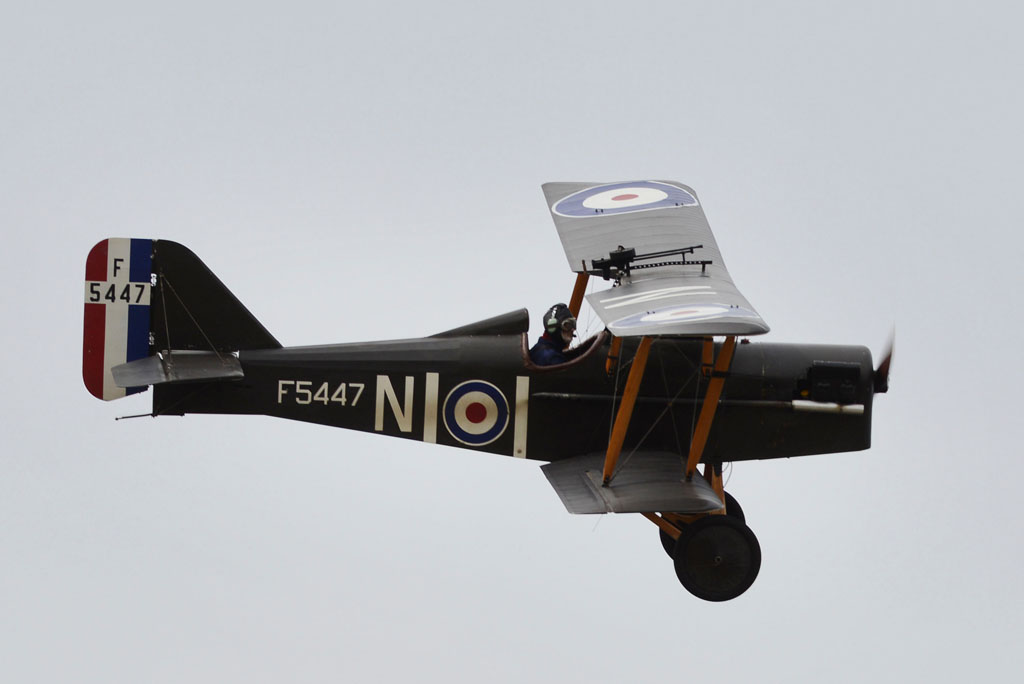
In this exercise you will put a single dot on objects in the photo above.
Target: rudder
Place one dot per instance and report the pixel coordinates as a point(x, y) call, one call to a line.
point(117, 312)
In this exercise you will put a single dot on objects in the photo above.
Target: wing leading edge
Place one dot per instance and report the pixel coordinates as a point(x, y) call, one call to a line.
point(672, 279)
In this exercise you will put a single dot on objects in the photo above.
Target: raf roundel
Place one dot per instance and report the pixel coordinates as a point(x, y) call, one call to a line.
point(623, 198)
point(476, 413)
point(700, 312)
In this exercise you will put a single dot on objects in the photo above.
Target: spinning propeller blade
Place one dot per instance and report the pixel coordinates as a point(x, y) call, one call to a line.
point(882, 372)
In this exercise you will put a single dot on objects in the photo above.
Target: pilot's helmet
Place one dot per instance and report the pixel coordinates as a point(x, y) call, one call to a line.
point(559, 320)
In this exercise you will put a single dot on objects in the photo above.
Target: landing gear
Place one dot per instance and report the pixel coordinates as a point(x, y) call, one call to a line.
point(717, 557)
point(732, 508)
point(667, 542)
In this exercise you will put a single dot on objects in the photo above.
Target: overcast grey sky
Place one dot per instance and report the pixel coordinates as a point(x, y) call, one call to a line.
point(358, 172)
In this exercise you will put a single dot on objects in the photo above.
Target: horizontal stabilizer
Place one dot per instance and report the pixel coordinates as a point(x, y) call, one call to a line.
point(648, 482)
point(178, 366)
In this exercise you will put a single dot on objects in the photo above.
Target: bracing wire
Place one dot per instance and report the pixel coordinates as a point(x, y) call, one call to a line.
point(615, 394)
point(183, 306)
point(696, 400)
point(656, 421)
point(672, 415)
point(590, 314)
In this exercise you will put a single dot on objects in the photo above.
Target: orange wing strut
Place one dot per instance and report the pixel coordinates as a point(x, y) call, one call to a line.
point(707, 355)
point(713, 476)
point(707, 411)
point(613, 355)
point(670, 529)
point(636, 374)
point(577, 294)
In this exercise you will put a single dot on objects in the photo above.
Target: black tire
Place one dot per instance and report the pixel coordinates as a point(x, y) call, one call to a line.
point(732, 507)
point(717, 558)
point(667, 543)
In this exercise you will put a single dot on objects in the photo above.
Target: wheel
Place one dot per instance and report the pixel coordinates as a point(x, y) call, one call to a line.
point(732, 507)
point(667, 542)
point(717, 558)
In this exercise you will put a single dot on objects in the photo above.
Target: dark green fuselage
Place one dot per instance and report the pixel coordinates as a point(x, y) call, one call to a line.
point(412, 389)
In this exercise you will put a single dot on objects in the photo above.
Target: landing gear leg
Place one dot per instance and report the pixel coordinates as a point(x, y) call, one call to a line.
point(716, 556)
point(668, 542)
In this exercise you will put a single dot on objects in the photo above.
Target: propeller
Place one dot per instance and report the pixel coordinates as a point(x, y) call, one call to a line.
point(882, 372)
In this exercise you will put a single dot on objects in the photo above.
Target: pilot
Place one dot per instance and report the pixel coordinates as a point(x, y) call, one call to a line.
point(559, 329)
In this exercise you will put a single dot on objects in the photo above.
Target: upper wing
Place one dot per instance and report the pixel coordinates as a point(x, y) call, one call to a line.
point(683, 292)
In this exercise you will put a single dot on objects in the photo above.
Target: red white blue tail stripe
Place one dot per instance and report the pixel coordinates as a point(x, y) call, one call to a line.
point(117, 290)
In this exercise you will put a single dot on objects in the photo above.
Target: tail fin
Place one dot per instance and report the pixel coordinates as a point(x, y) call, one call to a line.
point(148, 296)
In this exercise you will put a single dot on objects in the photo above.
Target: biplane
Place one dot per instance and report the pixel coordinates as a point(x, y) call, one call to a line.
point(640, 420)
